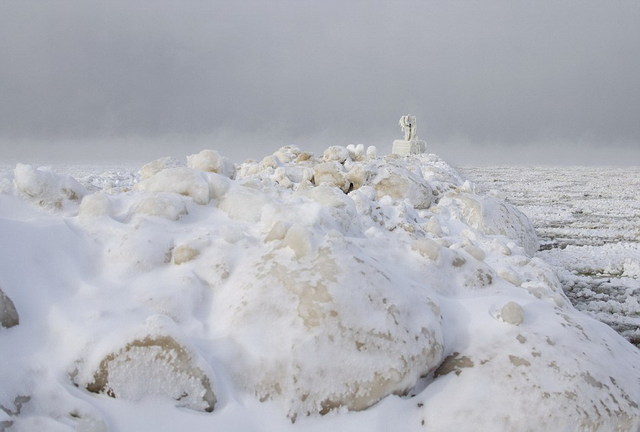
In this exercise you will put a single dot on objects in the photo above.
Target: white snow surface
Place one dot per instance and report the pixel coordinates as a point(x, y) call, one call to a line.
point(588, 221)
point(344, 292)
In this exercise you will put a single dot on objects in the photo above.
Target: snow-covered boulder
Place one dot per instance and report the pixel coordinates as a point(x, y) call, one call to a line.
point(401, 184)
point(212, 161)
point(46, 188)
point(154, 167)
point(153, 366)
point(336, 153)
point(180, 180)
point(331, 173)
point(160, 204)
point(8, 313)
point(492, 216)
point(317, 331)
point(530, 377)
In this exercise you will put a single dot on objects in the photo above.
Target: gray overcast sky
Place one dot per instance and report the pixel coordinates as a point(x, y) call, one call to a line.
point(509, 81)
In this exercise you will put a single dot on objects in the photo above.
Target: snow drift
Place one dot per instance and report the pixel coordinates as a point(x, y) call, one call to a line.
point(287, 289)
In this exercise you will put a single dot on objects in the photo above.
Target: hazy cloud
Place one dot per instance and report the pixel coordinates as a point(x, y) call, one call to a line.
point(506, 77)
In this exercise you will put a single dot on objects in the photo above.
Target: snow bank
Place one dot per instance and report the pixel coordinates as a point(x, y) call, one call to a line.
point(383, 291)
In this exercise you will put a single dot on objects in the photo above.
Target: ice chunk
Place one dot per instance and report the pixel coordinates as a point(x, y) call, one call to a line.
point(400, 184)
point(360, 174)
point(154, 167)
point(212, 161)
point(331, 173)
point(356, 152)
point(299, 240)
point(287, 154)
point(184, 253)
point(164, 205)
point(181, 180)
point(511, 313)
point(335, 153)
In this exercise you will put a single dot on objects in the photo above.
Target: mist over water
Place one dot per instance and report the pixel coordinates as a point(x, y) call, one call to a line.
point(506, 82)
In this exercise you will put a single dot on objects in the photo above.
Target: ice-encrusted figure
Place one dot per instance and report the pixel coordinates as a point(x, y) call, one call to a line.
point(408, 125)
point(410, 144)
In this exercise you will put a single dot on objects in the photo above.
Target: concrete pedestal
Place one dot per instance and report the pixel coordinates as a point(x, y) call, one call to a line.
point(404, 147)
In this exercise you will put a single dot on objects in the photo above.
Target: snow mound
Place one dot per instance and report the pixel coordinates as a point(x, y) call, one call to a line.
point(304, 285)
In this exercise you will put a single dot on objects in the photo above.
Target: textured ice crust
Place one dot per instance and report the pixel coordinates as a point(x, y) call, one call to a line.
point(312, 284)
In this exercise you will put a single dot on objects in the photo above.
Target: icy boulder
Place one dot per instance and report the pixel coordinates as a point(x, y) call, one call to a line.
point(331, 173)
point(316, 331)
point(559, 378)
point(492, 216)
point(212, 161)
point(154, 167)
point(180, 180)
point(161, 204)
point(8, 313)
point(154, 366)
point(401, 184)
point(46, 188)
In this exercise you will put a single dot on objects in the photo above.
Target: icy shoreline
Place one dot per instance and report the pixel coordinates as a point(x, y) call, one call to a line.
point(348, 291)
point(586, 219)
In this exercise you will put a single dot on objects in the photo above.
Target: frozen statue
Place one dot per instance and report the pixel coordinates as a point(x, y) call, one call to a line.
point(410, 144)
point(408, 125)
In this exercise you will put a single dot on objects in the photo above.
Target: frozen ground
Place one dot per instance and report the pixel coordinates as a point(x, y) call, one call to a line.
point(344, 291)
point(588, 222)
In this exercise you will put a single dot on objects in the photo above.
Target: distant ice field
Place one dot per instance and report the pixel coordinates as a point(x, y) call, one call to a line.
point(588, 222)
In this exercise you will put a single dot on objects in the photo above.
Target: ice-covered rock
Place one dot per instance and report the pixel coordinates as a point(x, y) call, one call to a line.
point(161, 204)
point(8, 313)
point(401, 184)
point(154, 366)
point(46, 188)
point(492, 216)
point(180, 180)
point(212, 161)
point(559, 378)
point(154, 167)
point(326, 326)
point(184, 253)
point(331, 173)
point(336, 153)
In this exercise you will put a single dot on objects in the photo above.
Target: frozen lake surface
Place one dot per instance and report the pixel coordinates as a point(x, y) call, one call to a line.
point(588, 222)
